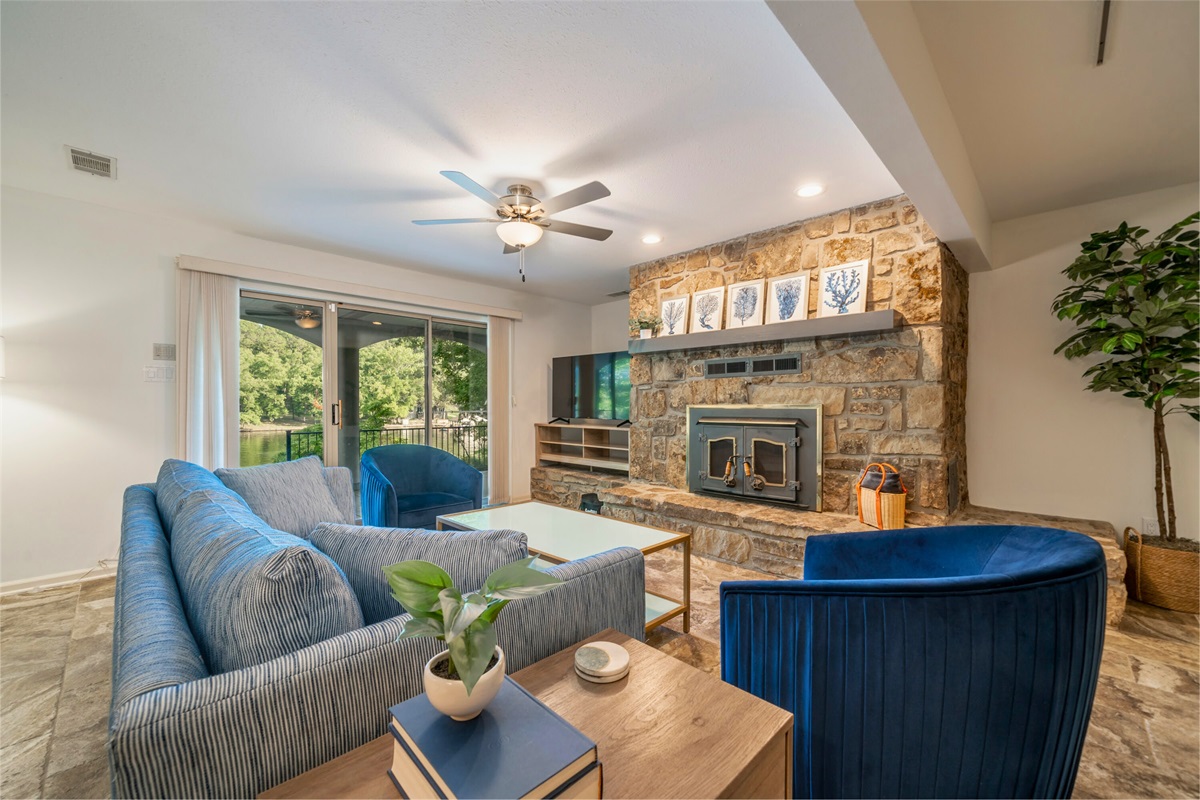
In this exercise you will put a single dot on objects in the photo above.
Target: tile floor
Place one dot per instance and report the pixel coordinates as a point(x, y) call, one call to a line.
point(55, 673)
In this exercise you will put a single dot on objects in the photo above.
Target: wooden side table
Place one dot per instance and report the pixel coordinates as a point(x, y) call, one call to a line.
point(666, 731)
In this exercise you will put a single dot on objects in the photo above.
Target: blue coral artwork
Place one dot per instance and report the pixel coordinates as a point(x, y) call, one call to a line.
point(787, 299)
point(745, 304)
point(708, 309)
point(843, 289)
point(674, 316)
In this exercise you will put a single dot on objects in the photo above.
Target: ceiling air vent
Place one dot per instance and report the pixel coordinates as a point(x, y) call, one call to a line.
point(622, 293)
point(92, 163)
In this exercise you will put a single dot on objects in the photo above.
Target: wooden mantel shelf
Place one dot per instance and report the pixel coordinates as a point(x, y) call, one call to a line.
point(845, 325)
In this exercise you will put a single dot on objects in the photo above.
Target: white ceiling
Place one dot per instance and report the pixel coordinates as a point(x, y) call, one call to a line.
point(325, 124)
point(1044, 127)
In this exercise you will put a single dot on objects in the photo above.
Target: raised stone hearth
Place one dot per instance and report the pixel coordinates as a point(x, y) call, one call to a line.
point(770, 538)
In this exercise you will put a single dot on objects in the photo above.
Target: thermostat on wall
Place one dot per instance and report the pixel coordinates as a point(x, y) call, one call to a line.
point(164, 352)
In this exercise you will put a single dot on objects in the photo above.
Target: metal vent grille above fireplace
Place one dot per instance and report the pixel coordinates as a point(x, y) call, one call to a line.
point(768, 365)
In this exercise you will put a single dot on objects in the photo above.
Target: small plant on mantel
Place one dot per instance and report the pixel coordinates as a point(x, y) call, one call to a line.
point(644, 322)
point(1136, 305)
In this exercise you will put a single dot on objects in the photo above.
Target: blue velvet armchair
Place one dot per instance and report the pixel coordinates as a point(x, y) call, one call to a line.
point(938, 662)
point(410, 485)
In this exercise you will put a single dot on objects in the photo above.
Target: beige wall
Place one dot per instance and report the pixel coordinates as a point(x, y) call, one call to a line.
point(610, 326)
point(86, 290)
point(1036, 440)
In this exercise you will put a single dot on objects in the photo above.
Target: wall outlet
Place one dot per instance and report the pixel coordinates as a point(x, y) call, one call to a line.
point(1150, 526)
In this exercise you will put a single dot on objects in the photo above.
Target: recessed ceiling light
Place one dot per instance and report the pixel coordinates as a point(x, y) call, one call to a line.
point(376, 322)
point(651, 238)
point(810, 190)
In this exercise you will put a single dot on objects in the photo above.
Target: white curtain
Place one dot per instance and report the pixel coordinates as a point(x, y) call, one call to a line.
point(499, 355)
point(207, 333)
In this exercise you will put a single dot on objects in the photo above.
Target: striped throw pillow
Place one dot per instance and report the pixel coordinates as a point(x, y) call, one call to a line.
point(292, 496)
point(252, 593)
point(363, 552)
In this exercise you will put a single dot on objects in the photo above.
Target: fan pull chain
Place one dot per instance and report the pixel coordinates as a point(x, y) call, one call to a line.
point(521, 255)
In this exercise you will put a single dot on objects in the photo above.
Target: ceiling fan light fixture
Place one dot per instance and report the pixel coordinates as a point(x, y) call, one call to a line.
point(308, 322)
point(518, 233)
point(810, 190)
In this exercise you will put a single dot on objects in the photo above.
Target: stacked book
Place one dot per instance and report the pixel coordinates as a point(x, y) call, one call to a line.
point(516, 747)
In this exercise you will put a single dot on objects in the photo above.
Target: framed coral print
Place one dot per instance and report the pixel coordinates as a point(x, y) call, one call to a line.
point(787, 298)
point(745, 304)
point(674, 316)
point(843, 289)
point(708, 309)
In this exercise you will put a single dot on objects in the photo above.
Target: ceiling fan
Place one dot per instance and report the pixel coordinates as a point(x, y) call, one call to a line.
point(522, 217)
point(303, 317)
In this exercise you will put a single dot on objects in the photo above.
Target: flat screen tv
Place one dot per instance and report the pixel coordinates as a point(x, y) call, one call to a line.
point(594, 386)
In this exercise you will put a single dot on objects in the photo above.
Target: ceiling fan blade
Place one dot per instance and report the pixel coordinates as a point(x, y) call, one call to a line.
point(453, 221)
point(576, 197)
point(586, 231)
point(509, 249)
point(471, 186)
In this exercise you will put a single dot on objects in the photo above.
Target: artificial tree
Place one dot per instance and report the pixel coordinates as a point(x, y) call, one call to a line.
point(1135, 303)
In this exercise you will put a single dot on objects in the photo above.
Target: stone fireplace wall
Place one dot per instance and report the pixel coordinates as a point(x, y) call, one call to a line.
point(898, 396)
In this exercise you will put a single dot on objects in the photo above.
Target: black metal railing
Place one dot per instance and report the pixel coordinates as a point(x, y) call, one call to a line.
point(468, 442)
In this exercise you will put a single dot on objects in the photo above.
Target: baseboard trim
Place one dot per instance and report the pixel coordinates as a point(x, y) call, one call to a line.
point(106, 570)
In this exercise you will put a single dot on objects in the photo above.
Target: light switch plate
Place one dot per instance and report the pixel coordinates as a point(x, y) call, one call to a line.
point(156, 374)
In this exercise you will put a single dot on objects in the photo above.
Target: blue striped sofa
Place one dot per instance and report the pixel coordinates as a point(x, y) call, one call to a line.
point(180, 728)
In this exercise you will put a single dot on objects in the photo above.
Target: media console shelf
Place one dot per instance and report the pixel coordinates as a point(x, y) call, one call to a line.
point(593, 446)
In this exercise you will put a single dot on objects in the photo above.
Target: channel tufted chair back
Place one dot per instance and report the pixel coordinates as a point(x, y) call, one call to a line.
point(410, 485)
point(938, 662)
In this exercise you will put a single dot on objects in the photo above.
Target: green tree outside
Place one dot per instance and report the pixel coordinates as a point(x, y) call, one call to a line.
point(281, 382)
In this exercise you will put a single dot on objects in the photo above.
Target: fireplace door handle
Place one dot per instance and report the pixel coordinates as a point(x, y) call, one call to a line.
point(755, 480)
point(730, 479)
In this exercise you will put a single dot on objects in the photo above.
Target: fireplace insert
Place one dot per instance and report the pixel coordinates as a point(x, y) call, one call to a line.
point(767, 453)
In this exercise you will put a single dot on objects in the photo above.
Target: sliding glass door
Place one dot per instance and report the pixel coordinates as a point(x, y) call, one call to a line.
point(382, 382)
point(334, 380)
point(458, 382)
point(281, 408)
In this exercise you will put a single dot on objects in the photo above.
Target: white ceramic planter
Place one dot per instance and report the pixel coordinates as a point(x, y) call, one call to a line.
point(451, 698)
point(645, 333)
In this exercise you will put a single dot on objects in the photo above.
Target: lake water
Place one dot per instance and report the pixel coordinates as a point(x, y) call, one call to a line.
point(269, 447)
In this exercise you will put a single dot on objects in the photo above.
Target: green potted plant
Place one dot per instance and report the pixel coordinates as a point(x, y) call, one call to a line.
point(464, 678)
point(1135, 306)
point(644, 325)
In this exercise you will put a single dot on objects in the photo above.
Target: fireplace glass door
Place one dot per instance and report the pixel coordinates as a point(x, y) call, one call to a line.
point(769, 451)
point(722, 452)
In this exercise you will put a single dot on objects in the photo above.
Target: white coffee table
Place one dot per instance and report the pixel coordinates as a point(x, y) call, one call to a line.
point(559, 535)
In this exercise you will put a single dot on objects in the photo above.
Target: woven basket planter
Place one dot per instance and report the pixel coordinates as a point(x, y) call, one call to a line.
point(1162, 577)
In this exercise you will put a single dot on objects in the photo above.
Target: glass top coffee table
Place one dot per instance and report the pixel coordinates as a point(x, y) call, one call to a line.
point(559, 535)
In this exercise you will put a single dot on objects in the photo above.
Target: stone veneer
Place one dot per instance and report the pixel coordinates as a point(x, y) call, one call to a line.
point(897, 397)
